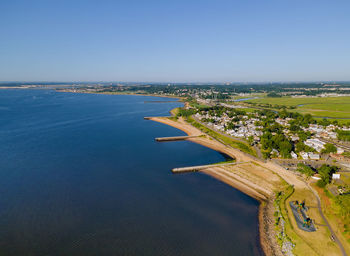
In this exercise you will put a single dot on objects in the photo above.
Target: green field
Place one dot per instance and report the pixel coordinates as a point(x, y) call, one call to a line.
point(332, 107)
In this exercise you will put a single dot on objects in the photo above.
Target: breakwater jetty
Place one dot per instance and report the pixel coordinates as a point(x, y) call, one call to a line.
point(175, 138)
point(201, 167)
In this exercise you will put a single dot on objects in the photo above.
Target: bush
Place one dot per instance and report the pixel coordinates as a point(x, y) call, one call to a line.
point(273, 95)
point(305, 169)
point(343, 135)
point(186, 112)
point(321, 183)
point(329, 148)
point(344, 202)
point(326, 172)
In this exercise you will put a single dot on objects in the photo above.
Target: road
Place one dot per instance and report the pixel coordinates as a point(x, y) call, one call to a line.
point(336, 239)
point(288, 176)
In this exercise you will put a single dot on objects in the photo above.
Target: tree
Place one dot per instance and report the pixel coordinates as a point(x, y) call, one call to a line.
point(329, 148)
point(300, 146)
point(273, 95)
point(285, 148)
point(343, 135)
point(324, 122)
point(294, 128)
point(250, 139)
point(305, 169)
point(326, 172)
point(303, 136)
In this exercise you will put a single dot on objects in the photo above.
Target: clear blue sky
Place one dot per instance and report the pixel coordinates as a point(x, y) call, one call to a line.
point(176, 41)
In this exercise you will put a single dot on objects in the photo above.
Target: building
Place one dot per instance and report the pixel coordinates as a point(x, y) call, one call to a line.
point(294, 156)
point(340, 150)
point(315, 143)
point(336, 176)
point(304, 155)
point(314, 156)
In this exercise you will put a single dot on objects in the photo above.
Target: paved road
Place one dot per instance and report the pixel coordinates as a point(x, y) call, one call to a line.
point(341, 247)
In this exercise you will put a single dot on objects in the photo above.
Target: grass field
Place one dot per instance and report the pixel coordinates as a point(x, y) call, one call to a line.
point(331, 107)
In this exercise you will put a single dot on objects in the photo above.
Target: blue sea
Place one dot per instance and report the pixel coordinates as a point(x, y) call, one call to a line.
point(81, 174)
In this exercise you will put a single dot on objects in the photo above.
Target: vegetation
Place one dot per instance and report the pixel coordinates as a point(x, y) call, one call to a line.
point(273, 95)
point(278, 142)
point(305, 169)
point(344, 202)
point(186, 112)
point(333, 107)
point(337, 210)
point(325, 172)
point(282, 213)
point(346, 154)
point(329, 148)
point(224, 139)
point(343, 135)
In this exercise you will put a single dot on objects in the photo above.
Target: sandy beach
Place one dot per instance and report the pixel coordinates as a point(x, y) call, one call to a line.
point(254, 178)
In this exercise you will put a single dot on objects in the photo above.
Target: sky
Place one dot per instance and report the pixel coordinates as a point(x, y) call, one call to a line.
point(175, 41)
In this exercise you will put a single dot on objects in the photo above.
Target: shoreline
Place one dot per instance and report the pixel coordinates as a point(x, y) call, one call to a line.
point(266, 208)
point(120, 93)
point(290, 240)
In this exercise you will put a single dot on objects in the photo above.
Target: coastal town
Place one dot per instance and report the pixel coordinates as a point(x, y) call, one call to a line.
point(290, 149)
point(209, 128)
point(307, 142)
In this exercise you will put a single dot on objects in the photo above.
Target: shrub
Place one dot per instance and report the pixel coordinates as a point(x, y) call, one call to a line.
point(321, 183)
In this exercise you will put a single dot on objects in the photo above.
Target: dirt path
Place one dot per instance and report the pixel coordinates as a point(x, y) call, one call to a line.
point(319, 207)
point(234, 180)
point(209, 142)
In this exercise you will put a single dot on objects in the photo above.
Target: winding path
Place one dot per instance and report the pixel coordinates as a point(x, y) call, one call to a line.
point(336, 239)
point(240, 156)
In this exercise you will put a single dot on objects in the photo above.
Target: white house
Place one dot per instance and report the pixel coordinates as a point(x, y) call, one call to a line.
point(304, 155)
point(294, 156)
point(315, 143)
point(340, 151)
point(336, 176)
point(314, 156)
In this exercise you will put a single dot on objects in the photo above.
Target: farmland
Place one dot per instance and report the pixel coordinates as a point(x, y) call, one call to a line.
point(331, 107)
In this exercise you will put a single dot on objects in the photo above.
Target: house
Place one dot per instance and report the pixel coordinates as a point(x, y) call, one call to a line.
point(336, 176)
point(316, 177)
point(304, 155)
point(315, 143)
point(294, 156)
point(314, 156)
point(294, 138)
point(275, 152)
point(337, 156)
point(340, 151)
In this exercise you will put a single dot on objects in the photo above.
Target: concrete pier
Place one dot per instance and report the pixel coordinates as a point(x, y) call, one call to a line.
point(200, 167)
point(150, 117)
point(162, 139)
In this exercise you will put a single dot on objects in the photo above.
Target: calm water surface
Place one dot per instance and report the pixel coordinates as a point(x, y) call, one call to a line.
point(81, 174)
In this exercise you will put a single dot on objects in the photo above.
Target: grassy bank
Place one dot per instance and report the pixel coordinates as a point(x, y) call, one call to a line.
point(337, 211)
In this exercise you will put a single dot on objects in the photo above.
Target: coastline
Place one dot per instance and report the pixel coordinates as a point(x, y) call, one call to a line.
point(278, 234)
point(265, 198)
point(120, 93)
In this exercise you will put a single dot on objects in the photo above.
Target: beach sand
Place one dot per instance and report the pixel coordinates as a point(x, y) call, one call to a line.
point(252, 177)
